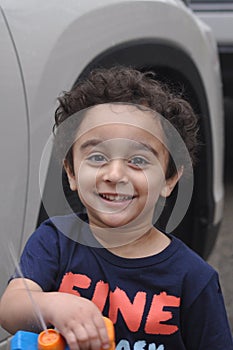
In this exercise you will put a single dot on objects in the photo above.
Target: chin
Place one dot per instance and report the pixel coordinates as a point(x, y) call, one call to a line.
point(111, 221)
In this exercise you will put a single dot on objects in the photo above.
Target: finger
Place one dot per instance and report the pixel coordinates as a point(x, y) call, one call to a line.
point(94, 338)
point(71, 340)
point(102, 331)
point(83, 335)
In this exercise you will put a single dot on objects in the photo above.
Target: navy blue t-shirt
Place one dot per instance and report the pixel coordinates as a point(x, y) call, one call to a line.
point(169, 301)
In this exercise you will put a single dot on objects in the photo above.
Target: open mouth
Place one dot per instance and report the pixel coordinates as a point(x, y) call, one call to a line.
point(116, 197)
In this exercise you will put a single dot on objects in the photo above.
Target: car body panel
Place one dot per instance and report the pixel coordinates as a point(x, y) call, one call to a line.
point(221, 24)
point(13, 154)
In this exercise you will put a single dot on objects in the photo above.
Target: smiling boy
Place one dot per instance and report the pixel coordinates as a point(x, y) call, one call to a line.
point(118, 172)
point(118, 127)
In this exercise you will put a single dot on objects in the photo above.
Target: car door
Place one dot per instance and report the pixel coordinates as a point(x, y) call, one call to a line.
point(218, 15)
point(13, 155)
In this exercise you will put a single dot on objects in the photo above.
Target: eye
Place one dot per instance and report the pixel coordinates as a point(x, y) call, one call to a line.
point(138, 161)
point(97, 158)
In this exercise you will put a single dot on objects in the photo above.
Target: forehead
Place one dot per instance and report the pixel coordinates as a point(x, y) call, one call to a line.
point(121, 121)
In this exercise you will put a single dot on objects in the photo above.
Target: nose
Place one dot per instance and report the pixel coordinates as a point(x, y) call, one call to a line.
point(115, 171)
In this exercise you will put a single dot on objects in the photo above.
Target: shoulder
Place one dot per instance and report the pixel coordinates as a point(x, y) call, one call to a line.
point(66, 231)
point(197, 273)
point(64, 225)
point(191, 262)
point(52, 234)
point(48, 251)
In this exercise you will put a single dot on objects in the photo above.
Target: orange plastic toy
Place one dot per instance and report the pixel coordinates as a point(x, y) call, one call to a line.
point(111, 333)
point(50, 339)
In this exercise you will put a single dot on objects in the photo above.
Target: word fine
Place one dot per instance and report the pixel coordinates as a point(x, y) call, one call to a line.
point(132, 312)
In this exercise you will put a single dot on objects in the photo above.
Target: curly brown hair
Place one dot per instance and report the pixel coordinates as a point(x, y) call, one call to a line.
point(126, 85)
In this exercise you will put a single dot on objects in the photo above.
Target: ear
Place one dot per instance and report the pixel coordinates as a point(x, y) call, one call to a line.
point(70, 175)
point(171, 182)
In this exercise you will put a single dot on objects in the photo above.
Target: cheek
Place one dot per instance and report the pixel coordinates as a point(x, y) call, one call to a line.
point(155, 183)
point(87, 178)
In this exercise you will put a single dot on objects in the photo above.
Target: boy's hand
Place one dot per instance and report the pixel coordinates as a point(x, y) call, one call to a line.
point(78, 320)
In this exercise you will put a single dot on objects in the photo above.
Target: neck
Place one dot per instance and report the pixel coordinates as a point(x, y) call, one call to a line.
point(113, 237)
point(128, 244)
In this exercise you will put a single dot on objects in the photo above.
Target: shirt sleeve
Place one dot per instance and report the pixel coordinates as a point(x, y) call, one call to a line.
point(39, 261)
point(205, 324)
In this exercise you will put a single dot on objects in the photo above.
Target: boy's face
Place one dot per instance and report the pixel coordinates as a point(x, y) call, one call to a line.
point(119, 162)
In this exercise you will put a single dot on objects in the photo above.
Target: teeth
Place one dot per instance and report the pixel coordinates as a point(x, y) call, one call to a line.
point(116, 198)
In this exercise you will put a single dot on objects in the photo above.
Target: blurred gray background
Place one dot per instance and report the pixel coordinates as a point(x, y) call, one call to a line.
point(221, 257)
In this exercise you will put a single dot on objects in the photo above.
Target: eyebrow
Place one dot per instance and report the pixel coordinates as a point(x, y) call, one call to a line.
point(90, 143)
point(138, 145)
point(147, 146)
